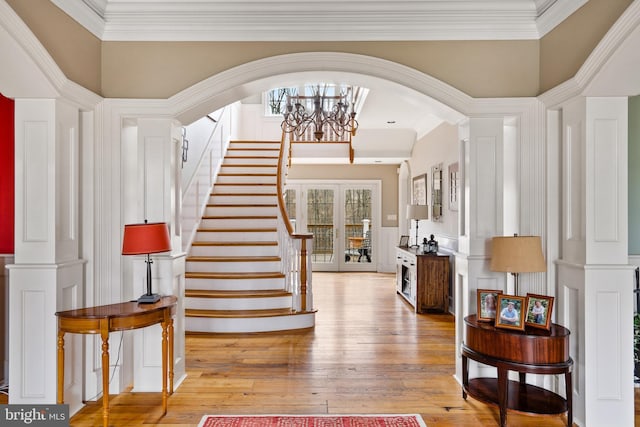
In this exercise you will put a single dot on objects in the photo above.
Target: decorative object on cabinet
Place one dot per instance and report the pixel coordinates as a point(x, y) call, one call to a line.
point(419, 190)
point(436, 193)
point(430, 246)
point(417, 212)
point(487, 302)
point(517, 254)
point(146, 239)
point(423, 280)
point(454, 185)
point(534, 352)
point(539, 308)
point(404, 241)
point(510, 312)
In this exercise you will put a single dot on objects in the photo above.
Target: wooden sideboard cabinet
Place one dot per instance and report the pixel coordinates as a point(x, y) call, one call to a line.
point(423, 279)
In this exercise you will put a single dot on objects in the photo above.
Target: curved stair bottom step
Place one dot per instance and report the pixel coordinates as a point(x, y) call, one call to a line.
point(262, 303)
point(250, 324)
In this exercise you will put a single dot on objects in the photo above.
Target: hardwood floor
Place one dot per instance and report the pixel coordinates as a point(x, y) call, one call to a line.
point(369, 353)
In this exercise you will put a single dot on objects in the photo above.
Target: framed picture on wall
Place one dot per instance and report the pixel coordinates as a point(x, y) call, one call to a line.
point(419, 190)
point(454, 186)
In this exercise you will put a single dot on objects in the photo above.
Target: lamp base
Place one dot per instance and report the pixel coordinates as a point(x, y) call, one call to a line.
point(149, 299)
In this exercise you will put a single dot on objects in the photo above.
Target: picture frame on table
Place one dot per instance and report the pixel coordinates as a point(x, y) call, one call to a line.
point(539, 309)
point(487, 303)
point(511, 312)
point(404, 241)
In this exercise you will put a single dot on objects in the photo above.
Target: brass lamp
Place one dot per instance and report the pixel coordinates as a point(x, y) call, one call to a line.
point(147, 238)
point(517, 254)
point(417, 212)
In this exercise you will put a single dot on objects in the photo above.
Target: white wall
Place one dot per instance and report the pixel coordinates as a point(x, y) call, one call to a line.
point(438, 147)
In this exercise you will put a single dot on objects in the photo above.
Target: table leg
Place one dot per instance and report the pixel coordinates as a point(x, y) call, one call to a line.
point(104, 333)
point(60, 367)
point(569, 395)
point(171, 356)
point(465, 376)
point(503, 383)
point(165, 326)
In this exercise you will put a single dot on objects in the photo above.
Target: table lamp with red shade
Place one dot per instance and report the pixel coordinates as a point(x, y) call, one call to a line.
point(147, 238)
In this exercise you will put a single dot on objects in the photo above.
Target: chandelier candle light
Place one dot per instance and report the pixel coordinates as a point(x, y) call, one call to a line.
point(333, 111)
point(517, 254)
point(147, 238)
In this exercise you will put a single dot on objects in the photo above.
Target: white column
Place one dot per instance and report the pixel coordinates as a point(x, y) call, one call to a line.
point(151, 191)
point(595, 281)
point(480, 215)
point(47, 275)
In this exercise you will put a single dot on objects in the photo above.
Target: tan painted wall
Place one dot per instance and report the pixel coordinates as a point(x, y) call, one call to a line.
point(567, 47)
point(479, 68)
point(161, 69)
point(387, 174)
point(76, 51)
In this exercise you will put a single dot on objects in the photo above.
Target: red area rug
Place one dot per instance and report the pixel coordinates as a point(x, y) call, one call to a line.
point(312, 421)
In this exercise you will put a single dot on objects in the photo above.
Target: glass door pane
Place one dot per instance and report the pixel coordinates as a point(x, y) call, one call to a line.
point(357, 211)
point(320, 222)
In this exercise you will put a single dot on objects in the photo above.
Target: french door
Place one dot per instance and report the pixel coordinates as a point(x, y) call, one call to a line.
point(343, 218)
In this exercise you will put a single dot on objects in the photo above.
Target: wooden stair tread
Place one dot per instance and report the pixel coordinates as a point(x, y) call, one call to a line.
point(233, 259)
point(245, 194)
point(267, 293)
point(220, 275)
point(247, 314)
point(237, 230)
point(235, 243)
point(247, 165)
point(239, 217)
point(245, 174)
point(251, 157)
point(253, 184)
point(244, 205)
point(252, 149)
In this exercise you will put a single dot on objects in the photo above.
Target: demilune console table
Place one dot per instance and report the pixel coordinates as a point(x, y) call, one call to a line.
point(119, 317)
point(534, 351)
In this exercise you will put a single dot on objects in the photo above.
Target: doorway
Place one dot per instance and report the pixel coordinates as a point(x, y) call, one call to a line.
point(342, 216)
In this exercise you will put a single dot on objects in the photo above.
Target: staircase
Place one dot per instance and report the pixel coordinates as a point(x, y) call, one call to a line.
point(235, 281)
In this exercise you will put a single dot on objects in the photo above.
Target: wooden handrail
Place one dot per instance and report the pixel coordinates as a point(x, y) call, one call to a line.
point(302, 237)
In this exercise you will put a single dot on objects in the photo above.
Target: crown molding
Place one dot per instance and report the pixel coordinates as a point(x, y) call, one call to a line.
point(289, 20)
point(606, 48)
point(52, 81)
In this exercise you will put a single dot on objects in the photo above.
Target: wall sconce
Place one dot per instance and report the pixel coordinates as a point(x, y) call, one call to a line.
point(147, 238)
point(517, 254)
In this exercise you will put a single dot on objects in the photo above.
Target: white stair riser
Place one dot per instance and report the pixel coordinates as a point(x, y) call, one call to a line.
point(255, 160)
point(248, 144)
point(260, 179)
point(235, 284)
point(248, 169)
point(225, 199)
point(270, 303)
point(238, 222)
point(239, 152)
point(240, 211)
point(234, 251)
point(234, 236)
point(233, 267)
point(241, 189)
point(247, 325)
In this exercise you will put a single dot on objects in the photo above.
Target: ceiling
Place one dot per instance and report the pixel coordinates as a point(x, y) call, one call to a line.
point(413, 114)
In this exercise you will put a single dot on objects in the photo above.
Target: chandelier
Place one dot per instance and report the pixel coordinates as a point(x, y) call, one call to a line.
point(321, 112)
